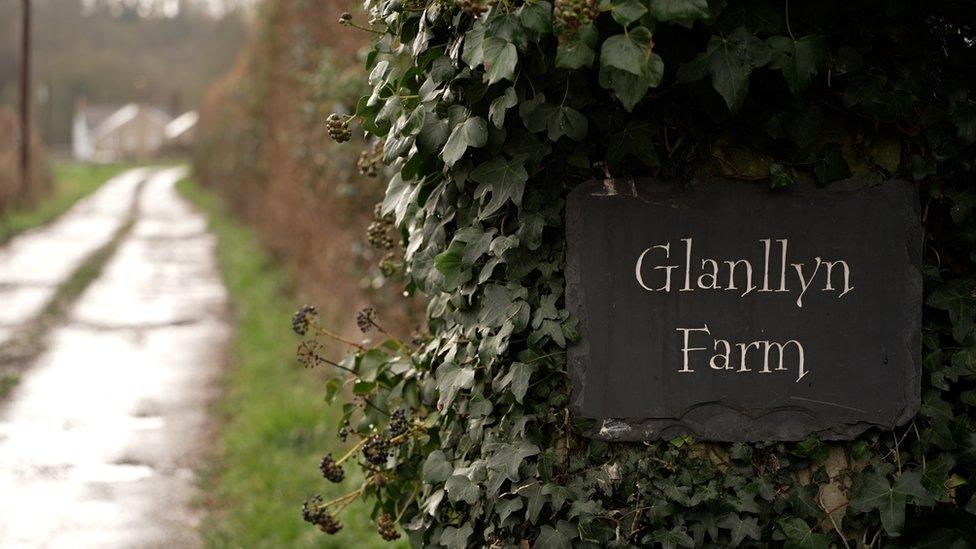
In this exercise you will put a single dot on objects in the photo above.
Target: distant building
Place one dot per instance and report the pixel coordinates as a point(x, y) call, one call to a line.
point(181, 131)
point(132, 132)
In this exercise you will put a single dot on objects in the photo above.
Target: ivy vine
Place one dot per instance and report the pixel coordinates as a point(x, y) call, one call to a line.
point(491, 111)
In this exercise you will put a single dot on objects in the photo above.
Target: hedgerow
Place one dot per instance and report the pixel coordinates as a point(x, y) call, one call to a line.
point(490, 112)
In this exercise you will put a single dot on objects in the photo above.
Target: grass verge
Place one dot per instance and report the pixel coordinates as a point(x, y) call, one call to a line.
point(274, 424)
point(72, 182)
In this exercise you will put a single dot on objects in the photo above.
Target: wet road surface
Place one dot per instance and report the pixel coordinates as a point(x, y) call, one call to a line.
point(99, 440)
point(33, 264)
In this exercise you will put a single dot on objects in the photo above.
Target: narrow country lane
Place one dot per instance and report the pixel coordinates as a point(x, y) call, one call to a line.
point(99, 440)
point(33, 264)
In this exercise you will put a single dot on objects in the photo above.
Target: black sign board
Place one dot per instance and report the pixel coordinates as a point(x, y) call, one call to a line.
point(730, 312)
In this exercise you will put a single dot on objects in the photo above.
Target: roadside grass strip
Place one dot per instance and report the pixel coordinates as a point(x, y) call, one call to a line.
point(270, 439)
point(72, 182)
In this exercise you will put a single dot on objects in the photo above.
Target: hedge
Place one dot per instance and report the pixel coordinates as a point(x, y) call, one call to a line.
point(490, 113)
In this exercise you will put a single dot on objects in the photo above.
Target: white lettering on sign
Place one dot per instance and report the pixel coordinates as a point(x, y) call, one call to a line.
point(739, 274)
point(779, 275)
point(758, 361)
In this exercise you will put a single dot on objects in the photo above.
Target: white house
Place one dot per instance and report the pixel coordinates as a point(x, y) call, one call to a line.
point(134, 131)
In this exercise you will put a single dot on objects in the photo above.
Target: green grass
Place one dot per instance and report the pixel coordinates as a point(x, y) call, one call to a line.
point(274, 426)
point(72, 182)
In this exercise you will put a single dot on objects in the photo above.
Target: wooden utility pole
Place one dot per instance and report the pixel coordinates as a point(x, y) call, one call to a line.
point(25, 90)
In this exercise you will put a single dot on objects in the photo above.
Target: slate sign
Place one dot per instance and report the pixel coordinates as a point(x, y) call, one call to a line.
point(730, 312)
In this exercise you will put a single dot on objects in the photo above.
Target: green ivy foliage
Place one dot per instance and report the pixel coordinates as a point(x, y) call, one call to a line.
point(491, 113)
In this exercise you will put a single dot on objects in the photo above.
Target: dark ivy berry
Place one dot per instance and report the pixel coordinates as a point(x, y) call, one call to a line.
point(310, 354)
point(331, 470)
point(310, 509)
point(365, 319)
point(370, 161)
point(302, 318)
point(398, 424)
point(570, 15)
point(314, 513)
point(387, 528)
point(344, 431)
point(376, 450)
point(338, 128)
point(377, 236)
point(390, 265)
point(345, 18)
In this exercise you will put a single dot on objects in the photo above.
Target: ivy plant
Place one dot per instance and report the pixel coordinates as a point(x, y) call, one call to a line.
point(491, 111)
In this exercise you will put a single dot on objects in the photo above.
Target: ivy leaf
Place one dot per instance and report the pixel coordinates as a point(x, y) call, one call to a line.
point(623, 52)
point(436, 468)
point(505, 180)
point(508, 27)
point(506, 458)
point(636, 139)
point(798, 60)
point(550, 538)
point(433, 502)
point(497, 306)
point(577, 50)
point(780, 176)
point(729, 60)
point(450, 263)
point(679, 10)
point(500, 59)
point(629, 67)
point(496, 112)
point(670, 539)
point(741, 527)
point(629, 88)
point(964, 117)
point(585, 510)
point(400, 195)
point(830, 165)
point(537, 16)
point(474, 41)
point(473, 132)
point(872, 491)
point(517, 378)
point(461, 488)
point(626, 12)
point(800, 536)
point(569, 122)
point(450, 380)
point(957, 298)
point(456, 538)
point(909, 484)
point(367, 117)
point(332, 388)
point(505, 507)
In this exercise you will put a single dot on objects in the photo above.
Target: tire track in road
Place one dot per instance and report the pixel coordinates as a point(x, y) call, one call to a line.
point(99, 442)
point(36, 265)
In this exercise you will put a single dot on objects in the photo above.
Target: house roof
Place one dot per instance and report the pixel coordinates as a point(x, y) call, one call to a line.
point(181, 124)
point(96, 114)
point(104, 119)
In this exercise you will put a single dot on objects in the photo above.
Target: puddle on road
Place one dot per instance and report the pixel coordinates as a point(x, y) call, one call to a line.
point(97, 440)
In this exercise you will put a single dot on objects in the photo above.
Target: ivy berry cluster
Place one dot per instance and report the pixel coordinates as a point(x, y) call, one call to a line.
point(338, 128)
point(376, 448)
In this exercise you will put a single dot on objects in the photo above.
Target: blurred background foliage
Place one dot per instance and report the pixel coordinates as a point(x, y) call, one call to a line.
point(164, 52)
point(263, 148)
